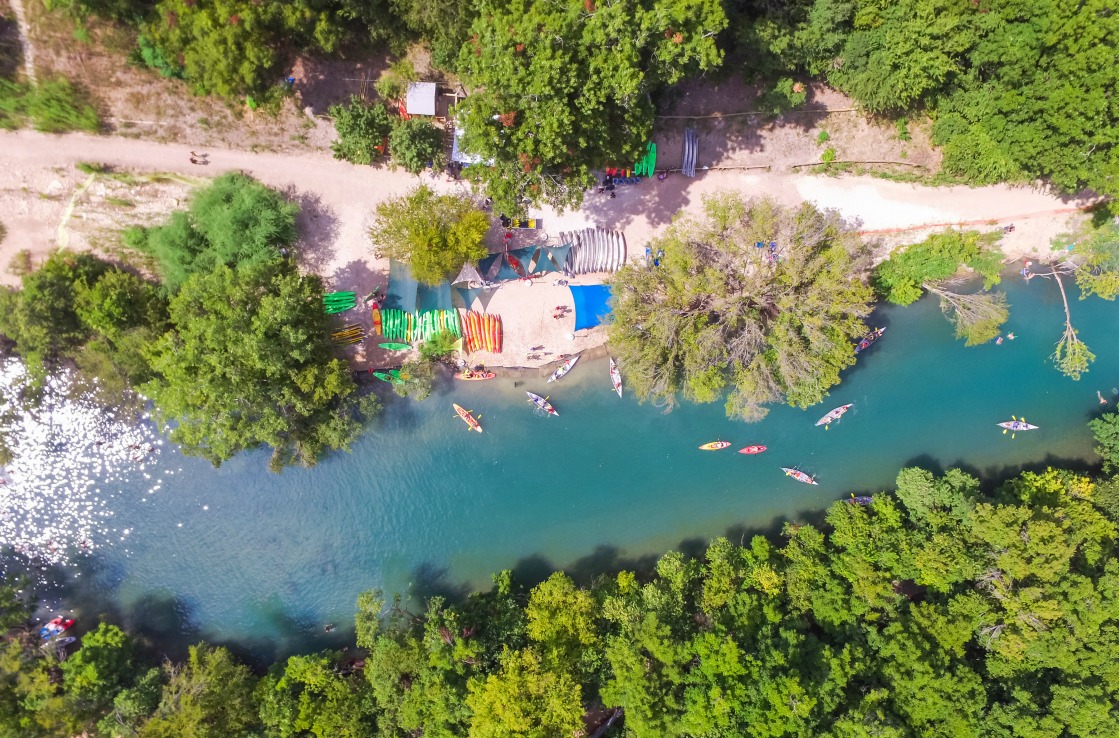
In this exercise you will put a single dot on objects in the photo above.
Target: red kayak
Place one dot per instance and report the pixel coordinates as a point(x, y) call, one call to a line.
point(751, 450)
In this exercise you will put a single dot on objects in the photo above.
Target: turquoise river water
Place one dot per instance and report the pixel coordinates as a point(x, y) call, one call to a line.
point(422, 505)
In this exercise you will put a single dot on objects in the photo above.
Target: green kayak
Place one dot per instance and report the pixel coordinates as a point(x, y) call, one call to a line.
point(392, 346)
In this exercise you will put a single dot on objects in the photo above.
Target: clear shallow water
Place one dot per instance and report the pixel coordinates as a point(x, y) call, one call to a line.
point(423, 505)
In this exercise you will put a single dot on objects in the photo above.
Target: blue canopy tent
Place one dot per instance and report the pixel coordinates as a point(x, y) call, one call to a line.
point(592, 304)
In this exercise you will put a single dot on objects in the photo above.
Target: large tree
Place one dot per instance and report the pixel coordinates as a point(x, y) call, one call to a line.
point(726, 310)
point(939, 264)
point(233, 220)
point(559, 89)
point(250, 363)
point(434, 234)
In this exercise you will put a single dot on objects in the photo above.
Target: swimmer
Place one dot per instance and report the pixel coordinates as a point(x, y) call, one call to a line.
point(1100, 396)
point(1010, 336)
point(329, 628)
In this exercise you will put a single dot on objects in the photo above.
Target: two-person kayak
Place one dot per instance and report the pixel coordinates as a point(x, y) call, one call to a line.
point(834, 415)
point(542, 403)
point(467, 418)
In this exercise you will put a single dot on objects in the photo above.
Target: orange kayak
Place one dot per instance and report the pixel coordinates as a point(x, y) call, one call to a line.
point(467, 418)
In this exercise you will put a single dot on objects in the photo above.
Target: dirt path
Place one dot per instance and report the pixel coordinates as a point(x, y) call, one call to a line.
point(39, 183)
point(25, 40)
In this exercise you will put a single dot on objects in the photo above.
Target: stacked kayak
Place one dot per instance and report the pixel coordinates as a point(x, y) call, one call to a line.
point(481, 332)
point(412, 327)
point(348, 335)
point(338, 302)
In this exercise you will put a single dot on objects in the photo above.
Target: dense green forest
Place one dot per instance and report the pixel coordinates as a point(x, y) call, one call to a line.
point(1016, 91)
point(934, 609)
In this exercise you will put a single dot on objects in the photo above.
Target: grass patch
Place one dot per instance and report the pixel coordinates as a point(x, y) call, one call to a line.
point(52, 106)
point(120, 202)
point(91, 167)
point(21, 263)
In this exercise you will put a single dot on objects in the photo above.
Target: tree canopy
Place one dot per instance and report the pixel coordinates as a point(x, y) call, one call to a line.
point(726, 310)
point(78, 308)
point(434, 234)
point(936, 608)
point(1019, 92)
point(362, 128)
point(249, 363)
point(234, 220)
point(562, 88)
point(932, 264)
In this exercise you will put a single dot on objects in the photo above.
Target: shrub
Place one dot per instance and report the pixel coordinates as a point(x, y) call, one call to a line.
point(56, 106)
point(361, 130)
point(416, 143)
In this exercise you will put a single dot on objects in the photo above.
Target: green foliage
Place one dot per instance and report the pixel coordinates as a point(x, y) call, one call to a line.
point(309, 695)
point(562, 88)
point(77, 307)
point(53, 105)
point(393, 82)
point(362, 128)
point(823, 137)
point(1072, 356)
point(233, 221)
point(132, 706)
point(97, 672)
point(444, 26)
point(438, 346)
point(151, 56)
point(901, 278)
point(1095, 257)
point(415, 144)
point(249, 363)
point(942, 611)
point(211, 696)
point(902, 126)
point(1105, 429)
point(524, 699)
point(786, 95)
point(417, 380)
point(434, 234)
point(231, 48)
point(720, 313)
point(828, 156)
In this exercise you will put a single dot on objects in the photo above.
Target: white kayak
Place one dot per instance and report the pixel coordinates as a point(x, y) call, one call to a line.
point(834, 415)
point(615, 377)
point(541, 402)
point(564, 369)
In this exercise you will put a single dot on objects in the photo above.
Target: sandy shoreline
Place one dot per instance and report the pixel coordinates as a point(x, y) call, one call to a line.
point(45, 202)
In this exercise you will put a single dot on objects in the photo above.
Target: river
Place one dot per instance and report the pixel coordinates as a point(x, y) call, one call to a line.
point(238, 554)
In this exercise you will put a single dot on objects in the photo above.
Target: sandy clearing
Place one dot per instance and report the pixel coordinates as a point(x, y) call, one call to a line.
point(38, 179)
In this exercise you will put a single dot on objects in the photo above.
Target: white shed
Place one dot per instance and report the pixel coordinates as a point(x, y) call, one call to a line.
point(420, 99)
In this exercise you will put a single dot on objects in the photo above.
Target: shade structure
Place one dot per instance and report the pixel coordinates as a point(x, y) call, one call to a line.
point(420, 99)
point(592, 304)
point(468, 273)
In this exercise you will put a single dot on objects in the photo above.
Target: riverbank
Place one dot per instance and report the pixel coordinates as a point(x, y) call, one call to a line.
point(47, 203)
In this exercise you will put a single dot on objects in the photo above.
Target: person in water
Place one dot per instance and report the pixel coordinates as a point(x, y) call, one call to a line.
point(1101, 398)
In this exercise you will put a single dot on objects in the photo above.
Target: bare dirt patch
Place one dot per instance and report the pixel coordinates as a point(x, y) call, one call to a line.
point(136, 102)
point(784, 143)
